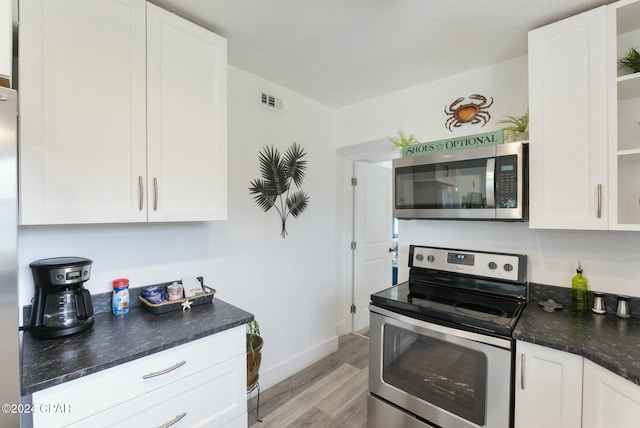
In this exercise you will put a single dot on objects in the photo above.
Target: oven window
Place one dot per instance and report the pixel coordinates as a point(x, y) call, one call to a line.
point(449, 376)
point(454, 185)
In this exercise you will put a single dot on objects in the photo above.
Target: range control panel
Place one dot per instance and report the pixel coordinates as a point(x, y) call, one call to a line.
point(511, 267)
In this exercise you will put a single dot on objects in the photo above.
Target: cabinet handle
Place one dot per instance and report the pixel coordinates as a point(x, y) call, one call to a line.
point(140, 192)
point(173, 421)
point(155, 193)
point(165, 371)
point(522, 371)
point(599, 200)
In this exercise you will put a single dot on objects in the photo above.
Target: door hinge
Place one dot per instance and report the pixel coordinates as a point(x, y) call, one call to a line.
point(353, 245)
point(354, 181)
point(353, 308)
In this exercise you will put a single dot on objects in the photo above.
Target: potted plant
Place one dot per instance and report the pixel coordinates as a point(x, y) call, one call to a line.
point(254, 353)
point(631, 60)
point(517, 129)
point(402, 140)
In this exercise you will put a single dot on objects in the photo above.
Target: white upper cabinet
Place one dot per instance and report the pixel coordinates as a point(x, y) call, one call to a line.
point(123, 116)
point(82, 111)
point(624, 117)
point(568, 127)
point(186, 119)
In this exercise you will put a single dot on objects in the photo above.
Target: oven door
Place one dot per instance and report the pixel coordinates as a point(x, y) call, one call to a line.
point(448, 377)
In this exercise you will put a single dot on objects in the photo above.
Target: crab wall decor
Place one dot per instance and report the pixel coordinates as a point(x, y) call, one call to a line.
point(471, 112)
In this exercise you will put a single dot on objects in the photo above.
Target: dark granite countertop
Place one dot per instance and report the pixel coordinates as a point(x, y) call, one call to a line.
point(117, 339)
point(607, 340)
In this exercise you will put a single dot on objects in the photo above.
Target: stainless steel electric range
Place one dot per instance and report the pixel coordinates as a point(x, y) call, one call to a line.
point(441, 347)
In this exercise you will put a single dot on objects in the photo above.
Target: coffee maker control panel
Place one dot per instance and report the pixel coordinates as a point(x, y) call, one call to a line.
point(71, 275)
point(61, 271)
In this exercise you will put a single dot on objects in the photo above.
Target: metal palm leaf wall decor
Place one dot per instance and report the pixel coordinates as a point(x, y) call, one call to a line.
point(274, 189)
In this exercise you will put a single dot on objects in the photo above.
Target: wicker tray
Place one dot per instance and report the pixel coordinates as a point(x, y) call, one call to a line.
point(174, 305)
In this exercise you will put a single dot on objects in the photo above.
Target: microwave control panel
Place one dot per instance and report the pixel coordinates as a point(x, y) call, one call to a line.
point(506, 181)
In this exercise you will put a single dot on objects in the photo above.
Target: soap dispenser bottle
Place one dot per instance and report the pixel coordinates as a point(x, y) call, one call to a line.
point(579, 291)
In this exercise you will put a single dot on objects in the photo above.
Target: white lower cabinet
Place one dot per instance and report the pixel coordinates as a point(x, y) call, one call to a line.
point(609, 400)
point(205, 399)
point(198, 384)
point(548, 387)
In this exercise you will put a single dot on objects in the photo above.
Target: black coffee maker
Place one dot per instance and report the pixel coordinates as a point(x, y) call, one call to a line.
point(61, 304)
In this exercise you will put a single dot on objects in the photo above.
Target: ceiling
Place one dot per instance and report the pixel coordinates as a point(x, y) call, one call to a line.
point(340, 52)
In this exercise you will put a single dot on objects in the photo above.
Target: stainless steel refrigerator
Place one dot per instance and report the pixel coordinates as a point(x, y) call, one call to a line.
point(9, 342)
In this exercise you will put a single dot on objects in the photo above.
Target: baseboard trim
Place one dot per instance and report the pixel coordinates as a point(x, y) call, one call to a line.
point(279, 372)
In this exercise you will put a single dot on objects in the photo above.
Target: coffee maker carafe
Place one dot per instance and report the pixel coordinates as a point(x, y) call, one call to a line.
point(61, 304)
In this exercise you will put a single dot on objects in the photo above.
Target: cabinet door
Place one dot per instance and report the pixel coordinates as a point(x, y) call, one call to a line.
point(568, 123)
point(624, 109)
point(548, 387)
point(82, 111)
point(187, 120)
point(609, 400)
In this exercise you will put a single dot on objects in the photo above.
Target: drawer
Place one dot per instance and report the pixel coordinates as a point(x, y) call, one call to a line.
point(214, 397)
point(138, 377)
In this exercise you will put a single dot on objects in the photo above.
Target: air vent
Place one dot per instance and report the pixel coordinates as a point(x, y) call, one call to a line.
point(271, 102)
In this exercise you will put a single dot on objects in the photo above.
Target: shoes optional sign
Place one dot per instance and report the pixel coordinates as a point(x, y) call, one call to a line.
point(457, 143)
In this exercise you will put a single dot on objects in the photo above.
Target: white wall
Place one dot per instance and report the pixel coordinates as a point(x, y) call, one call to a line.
point(420, 110)
point(288, 284)
point(611, 260)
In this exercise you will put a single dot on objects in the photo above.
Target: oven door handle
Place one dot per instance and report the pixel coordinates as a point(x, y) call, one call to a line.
point(490, 182)
point(522, 371)
point(463, 334)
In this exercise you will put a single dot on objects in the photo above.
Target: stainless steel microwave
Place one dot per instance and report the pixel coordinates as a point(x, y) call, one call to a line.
point(484, 183)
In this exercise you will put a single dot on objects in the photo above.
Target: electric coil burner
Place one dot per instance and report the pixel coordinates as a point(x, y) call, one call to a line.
point(442, 353)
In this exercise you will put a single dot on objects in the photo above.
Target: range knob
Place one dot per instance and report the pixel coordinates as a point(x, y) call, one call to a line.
point(508, 267)
point(493, 265)
point(419, 257)
point(430, 258)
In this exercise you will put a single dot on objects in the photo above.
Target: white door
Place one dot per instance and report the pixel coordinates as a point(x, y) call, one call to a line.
point(372, 235)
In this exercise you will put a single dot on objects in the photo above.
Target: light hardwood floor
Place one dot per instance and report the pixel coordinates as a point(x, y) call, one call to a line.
point(331, 393)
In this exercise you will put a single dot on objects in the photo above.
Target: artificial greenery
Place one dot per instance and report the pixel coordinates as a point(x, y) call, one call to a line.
point(274, 188)
point(631, 60)
point(253, 330)
point(517, 125)
point(402, 140)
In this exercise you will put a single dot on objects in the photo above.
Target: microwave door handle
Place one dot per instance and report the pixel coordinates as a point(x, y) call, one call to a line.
point(490, 182)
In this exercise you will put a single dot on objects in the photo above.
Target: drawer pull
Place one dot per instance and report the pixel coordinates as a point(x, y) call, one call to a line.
point(174, 421)
point(165, 371)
